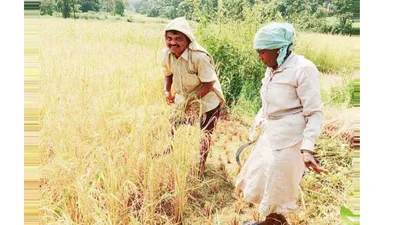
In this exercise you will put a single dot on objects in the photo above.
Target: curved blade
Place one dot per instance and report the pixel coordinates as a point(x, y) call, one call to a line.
point(241, 148)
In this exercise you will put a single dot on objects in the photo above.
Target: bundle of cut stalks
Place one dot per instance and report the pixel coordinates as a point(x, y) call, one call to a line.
point(342, 124)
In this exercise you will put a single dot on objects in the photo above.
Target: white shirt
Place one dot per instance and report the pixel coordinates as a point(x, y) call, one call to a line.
point(291, 104)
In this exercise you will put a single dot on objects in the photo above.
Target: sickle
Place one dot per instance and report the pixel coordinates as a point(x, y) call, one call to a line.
point(241, 148)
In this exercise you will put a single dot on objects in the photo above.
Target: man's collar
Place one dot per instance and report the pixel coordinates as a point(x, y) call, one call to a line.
point(185, 54)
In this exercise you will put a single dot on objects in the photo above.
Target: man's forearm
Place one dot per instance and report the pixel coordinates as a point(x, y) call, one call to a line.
point(204, 90)
point(168, 83)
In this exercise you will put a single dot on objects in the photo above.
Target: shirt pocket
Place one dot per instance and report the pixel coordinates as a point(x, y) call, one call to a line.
point(191, 81)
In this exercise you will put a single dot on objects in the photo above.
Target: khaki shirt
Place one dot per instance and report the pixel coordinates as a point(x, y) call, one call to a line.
point(189, 71)
point(291, 104)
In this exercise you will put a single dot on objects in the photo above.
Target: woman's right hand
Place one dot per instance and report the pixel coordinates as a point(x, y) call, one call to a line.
point(170, 99)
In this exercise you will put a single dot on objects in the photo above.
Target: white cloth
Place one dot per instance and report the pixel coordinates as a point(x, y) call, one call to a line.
point(291, 120)
point(291, 101)
point(271, 178)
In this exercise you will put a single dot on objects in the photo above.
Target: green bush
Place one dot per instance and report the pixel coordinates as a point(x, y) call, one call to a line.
point(119, 8)
point(241, 73)
point(47, 7)
point(354, 92)
point(346, 93)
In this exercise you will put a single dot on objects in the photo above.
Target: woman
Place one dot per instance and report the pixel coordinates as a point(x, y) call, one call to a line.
point(291, 120)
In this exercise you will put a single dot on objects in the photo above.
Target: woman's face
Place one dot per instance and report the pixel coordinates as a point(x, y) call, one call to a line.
point(268, 57)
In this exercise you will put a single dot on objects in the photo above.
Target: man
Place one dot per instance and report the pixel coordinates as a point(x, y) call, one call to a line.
point(189, 70)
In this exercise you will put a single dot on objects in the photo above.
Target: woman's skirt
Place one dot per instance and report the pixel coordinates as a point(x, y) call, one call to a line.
point(271, 178)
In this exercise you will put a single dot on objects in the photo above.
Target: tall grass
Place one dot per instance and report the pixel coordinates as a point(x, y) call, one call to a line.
point(337, 54)
point(105, 127)
point(104, 123)
point(340, 91)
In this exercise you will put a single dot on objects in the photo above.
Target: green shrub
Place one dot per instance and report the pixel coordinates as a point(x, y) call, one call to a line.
point(346, 93)
point(119, 8)
point(47, 7)
point(241, 73)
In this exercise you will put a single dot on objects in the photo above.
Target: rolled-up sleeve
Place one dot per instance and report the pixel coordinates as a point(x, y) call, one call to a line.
point(308, 90)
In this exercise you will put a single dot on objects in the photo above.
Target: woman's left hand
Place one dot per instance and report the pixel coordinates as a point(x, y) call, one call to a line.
point(309, 161)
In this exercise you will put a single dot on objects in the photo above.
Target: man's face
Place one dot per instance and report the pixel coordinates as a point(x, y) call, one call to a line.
point(268, 57)
point(176, 43)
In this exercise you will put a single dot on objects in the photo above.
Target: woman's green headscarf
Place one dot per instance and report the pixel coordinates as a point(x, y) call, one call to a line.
point(275, 36)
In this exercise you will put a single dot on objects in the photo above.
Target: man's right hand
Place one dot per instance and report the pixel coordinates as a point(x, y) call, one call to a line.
point(170, 99)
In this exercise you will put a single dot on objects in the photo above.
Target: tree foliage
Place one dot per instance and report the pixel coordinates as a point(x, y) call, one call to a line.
point(119, 8)
point(68, 8)
point(47, 7)
point(328, 16)
point(90, 5)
